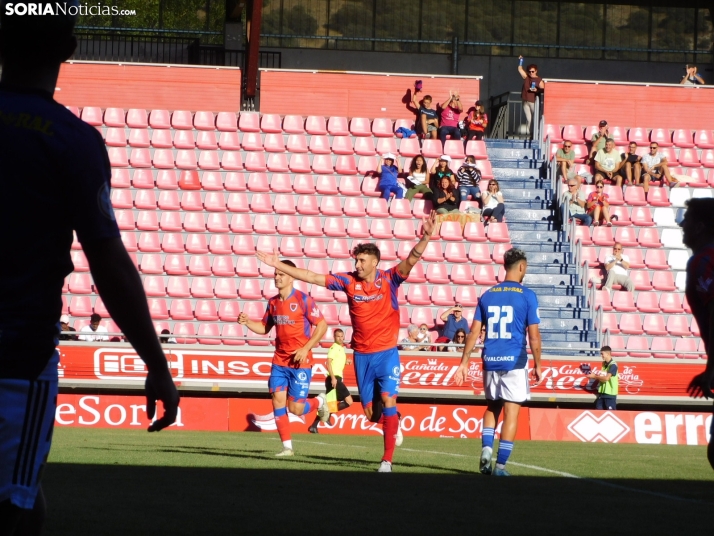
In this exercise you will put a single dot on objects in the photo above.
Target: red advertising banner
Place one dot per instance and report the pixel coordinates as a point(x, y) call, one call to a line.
point(644, 427)
point(250, 367)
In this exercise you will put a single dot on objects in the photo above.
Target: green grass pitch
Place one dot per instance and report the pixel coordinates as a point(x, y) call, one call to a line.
point(107, 482)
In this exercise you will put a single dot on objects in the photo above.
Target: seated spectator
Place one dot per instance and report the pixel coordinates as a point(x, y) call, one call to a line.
point(418, 179)
point(66, 330)
point(608, 163)
point(655, 168)
point(165, 339)
point(598, 205)
point(427, 122)
point(447, 198)
point(459, 338)
point(468, 177)
point(576, 201)
point(453, 319)
point(565, 160)
point(692, 78)
point(388, 173)
point(476, 123)
point(598, 139)
point(90, 333)
point(616, 266)
point(492, 203)
point(413, 338)
point(439, 170)
point(482, 335)
point(441, 344)
point(450, 111)
point(632, 163)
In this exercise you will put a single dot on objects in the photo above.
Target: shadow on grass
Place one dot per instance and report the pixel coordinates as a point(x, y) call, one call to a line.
point(128, 500)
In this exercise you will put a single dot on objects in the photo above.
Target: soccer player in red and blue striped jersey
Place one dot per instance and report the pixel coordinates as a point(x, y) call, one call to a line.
point(374, 310)
point(698, 234)
point(293, 313)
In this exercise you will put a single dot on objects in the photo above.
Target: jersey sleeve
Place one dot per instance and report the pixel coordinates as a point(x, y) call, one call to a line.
point(338, 281)
point(332, 353)
point(479, 313)
point(612, 369)
point(312, 311)
point(394, 277)
point(532, 313)
point(89, 179)
point(268, 319)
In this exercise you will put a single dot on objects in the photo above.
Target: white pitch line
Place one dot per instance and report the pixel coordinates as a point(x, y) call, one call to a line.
point(533, 467)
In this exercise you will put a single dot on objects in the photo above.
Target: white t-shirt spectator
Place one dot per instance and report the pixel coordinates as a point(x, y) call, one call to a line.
point(417, 178)
point(652, 160)
point(89, 335)
point(608, 161)
point(618, 269)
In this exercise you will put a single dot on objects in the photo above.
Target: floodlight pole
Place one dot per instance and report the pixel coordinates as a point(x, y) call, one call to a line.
point(254, 15)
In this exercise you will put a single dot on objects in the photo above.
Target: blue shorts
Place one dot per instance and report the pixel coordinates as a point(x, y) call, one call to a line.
point(295, 381)
point(27, 418)
point(377, 371)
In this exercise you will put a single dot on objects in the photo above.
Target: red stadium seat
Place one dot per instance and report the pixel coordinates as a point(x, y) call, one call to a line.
point(181, 310)
point(602, 236)
point(656, 259)
point(554, 131)
point(683, 138)
point(662, 347)
point(345, 165)
point(638, 347)
point(158, 309)
point(432, 148)
point(649, 238)
point(663, 280)
point(293, 124)
point(462, 274)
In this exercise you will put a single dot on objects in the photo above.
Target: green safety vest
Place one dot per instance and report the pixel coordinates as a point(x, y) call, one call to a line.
point(610, 386)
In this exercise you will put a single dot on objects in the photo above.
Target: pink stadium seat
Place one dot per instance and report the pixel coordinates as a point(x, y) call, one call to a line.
point(462, 274)
point(137, 118)
point(638, 347)
point(382, 128)
point(609, 322)
point(181, 310)
point(442, 295)
point(121, 178)
point(184, 332)
point(334, 227)
point(653, 324)
point(602, 236)
point(662, 347)
point(247, 267)
point(332, 206)
point(688, 345)
point(649, 238)
point(431, 149)
point(80, 306)
point(139, 137)
point(92, 115)
point(641, 279)
point(409, 147)
point(451, 231)
point(252, 141)
point(264, 224)
point(215, 202)
point(220, 244)
point(602, 300)
point(229, 141)
point(638, 135)
point(455, 149)
point(115, 137)
point(484, 167)
point(255, 162)
point(183, 139)
point(201, 287)
point(364, 147)
point(194, 222)
point(480, 253)
point(122, 199)
point(661, 136)
point(144, 178)
point(338, 126)
point(617, 343)
point(196, 244)
point(381, 228)
point(704, 139)
point(573, 133)
point(158, 309)
point(614, 194)
point(225, 289)
point(437, 274)
point(658, 197)
point(271, 123)
point(631, 324)
point(477, 149)
point(695, 328)
point(707, 158)
point(284, 204)
point(359, 126)
point(433, 252)
point(199, 265)
point(160, 119)
point(623, 302)
point(582, 234)
point(635, 255)
point(145, 200)
point(237, 202)
point(663, 280)
point(186, 159)
point(182, 120)
point(226, 122)
point(404, 229)
point(418, 295)
point(484, 275)
point(656, 259)
point(155, 285)
point(338, 248)
point(212, 181)
point(294, 124)
point(147, 221)
point(204, 121)
point(554, 132)
point(191, 201)
point(351, 186)
point(345, 165)
point(467, 296)
point(299, 163)
point(670, 303)
point(278, 163)
point(125, 220)
point(678, 326)
point(231, 332)
point(498, 232)
point(687, 158)
point(422, 208)
point(367, 164)
point(175, 264)
point(235, 182)
point(316, 125)
point(249, 122)
point(307, 205)
point(589, 255)
point(475, 232)
point(683, 138)
point(387, 145)
point(223, 266)
point(641, 216)
point(249, 289)
point(326, 185)
point(165, 179)
point(258, 182)
point(377, 208)
point(314, 247)
point(635, 196)
point(417, 274)
point(172, 243)
point(118, 157)
point(208, 333)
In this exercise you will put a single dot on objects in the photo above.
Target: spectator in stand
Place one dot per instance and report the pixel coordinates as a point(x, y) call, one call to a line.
point(482, 336)
point(441, 343)
point(450, 111)
point(608, 163)
point(413, 339)
point(616, 266)
point(576, 201)
point(424, 333)
point(418, 179)
point(468, 177)
point(476, 123)
point(607, 381)
point(165, 339)
point(447, 198)
point(492, 203)
point(532, 86)
point(439, 170)
point(632, 162)
point(388, 173)
point(459, 338)
point(655, 168)
point(597, 142)
point(66, 329)
point(691, 78)
point(453, 319)
point(427, 122)
point(565, 160)
point(90, 332)
point(598, 205)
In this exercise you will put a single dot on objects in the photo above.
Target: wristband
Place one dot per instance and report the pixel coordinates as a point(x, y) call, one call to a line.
point(520, 62)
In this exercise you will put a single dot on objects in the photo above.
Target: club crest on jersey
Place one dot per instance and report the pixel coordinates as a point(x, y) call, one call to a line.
point(396, 371)
point(315, 312)
point(358, 286)
point(302, 376)
point(704, 284)
point(378, 283)
point(293, 307)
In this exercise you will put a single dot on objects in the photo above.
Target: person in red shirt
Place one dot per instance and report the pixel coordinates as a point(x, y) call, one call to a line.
point(293, 313)
point(374, 310)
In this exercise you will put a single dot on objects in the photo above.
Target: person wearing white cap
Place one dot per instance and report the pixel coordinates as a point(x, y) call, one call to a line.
point(439, 170)
point(388, 169)
point(66, 329)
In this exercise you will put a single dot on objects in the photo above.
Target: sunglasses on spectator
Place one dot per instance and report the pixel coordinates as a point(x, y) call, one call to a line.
point(653, 147)
point(617, 249)
point(532, 71)
point(599, 187)
point(572, 185)
point(567, 146)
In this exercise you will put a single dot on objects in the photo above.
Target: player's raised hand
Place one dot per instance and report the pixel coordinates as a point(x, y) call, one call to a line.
point(301, 355)
point(461, 374)
point(271, 259)
point(160, 386)
point(701, 385)
point(243, 319)
point(429, 224)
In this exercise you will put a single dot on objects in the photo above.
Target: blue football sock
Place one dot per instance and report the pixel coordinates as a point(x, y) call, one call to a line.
point(388, 412)
point(504, 451)
point(487, 437)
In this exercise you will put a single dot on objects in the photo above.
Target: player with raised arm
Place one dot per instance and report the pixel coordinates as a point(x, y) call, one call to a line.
point(292, 312)
point(698, 234)
point(54, 179)
point(510, 311)
point(374, 310)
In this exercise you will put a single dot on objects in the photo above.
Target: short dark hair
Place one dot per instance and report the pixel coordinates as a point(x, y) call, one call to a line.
point(701, 210)
point(460, 330)
point(368, 249)
point(289, 263)
point(513, 256)
point(165, 332)
point(532, 66)
point(608, 140)
point(606, 348)
point(338, 330)
point(95, 318)
point(426, 97)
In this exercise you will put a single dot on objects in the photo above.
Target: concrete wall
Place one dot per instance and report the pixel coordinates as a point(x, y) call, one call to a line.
point(499, 72)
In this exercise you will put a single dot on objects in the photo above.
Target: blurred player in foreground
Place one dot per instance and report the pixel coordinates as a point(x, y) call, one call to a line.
point(337, 395)
point(293, 313)
point(374, 310)
point(54, 179)
point(509, 310)
point(698, 234)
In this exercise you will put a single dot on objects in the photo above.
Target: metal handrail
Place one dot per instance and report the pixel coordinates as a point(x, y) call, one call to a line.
point(146, 30)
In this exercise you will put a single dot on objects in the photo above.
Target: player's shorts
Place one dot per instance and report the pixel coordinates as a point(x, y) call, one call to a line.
point(27, 418)
point(296, 381)
point(377, 373)
point(342, 391)
point(508, 385)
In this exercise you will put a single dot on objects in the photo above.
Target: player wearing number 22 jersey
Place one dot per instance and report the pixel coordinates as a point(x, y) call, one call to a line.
point(509, 311)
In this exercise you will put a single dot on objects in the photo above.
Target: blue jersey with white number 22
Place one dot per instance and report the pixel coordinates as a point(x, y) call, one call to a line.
point(507, 309)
